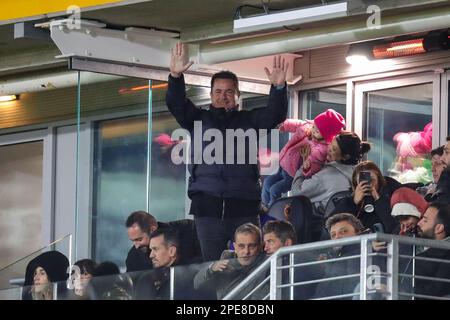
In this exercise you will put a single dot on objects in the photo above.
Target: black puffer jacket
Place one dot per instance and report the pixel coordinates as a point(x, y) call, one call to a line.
point(340, 268)
point(241, 181)
point(382, 212)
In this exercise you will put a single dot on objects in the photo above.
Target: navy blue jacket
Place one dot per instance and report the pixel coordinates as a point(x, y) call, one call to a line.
point(241, 181)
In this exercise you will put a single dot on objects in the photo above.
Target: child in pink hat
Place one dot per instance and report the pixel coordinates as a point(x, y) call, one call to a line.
point(314, 136)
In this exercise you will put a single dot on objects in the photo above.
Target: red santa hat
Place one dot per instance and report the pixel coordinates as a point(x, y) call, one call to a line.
point(329, 124)
point(407, 202)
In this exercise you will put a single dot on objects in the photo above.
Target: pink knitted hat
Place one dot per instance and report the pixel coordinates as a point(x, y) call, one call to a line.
point(329, 123)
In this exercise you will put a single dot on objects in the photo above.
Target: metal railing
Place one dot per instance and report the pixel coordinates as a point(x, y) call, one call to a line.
point(370, 275)
point(374, 274)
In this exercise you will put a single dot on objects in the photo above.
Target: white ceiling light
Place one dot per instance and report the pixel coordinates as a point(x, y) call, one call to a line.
point(290, 18)
point(8, 98)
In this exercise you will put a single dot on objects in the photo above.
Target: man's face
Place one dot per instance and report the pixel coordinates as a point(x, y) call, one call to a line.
point(426, 225)
point(223, 94)
point(161, 254)
point(272, 243)
point(138, 237)
point(437, 166)
point(446, 155)
point(247, 248)
point(342, 229)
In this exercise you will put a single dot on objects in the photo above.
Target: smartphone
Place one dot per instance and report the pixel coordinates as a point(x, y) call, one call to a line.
point(365, 176)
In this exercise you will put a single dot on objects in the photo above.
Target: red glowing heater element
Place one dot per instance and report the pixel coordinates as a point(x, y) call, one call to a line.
point(398, 49)
point(139, 88)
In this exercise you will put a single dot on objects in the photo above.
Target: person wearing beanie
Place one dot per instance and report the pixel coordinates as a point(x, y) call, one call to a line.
point(408, 207)
point(307, 149)
point(47, 268)
point(412, 145)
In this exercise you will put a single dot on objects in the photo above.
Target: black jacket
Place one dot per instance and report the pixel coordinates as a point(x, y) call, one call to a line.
point(340, 268)
point(442, 193)
point(189, 250)
point(432, 269)
point(241, 181)
point(382, 212)
point(155, 284)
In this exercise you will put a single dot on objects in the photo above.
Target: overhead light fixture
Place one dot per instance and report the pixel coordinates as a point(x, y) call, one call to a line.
point(358, 54)
point(290, 18)
point(8, 98)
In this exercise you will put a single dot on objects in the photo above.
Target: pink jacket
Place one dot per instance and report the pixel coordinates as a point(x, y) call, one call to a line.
point(290, 159)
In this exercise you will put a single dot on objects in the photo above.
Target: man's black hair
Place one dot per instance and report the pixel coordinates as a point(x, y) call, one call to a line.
point(225, 75)
point(171, 237)
point(143, 219)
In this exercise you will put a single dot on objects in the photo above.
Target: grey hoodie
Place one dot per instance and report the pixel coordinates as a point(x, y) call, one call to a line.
point(333, 177)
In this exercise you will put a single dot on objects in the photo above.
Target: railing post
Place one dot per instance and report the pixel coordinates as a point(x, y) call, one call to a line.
point(291, 276)
point(55, 291)
point(70, 249)
point(172, 283)
point(275, 277)
point(392, 269)
point(363, 271)
point(413, 279)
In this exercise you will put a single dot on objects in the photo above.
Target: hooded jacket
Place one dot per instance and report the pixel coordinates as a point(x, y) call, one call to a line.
point(334, 177)
point(290, 155)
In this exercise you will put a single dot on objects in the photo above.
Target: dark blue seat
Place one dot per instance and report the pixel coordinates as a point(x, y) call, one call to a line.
point(298, 211)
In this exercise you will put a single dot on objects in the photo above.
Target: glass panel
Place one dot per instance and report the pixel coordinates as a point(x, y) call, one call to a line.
point(112, 162)
point(118, 107)
point(13, 274)
point(397, 128)
point(20, 204)
point(317, 101)
point(11, 294)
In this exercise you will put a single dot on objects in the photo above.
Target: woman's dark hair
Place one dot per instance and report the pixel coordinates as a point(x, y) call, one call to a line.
point(86, 266)
point(438, 151)
point(106, 268)
point(364, 166)
point(352, 148)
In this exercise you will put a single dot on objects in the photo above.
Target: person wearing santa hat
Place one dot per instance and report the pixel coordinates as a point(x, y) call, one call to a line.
point(408, 207)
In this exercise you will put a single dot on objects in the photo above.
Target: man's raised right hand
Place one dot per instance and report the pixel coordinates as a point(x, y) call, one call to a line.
point(179, 60)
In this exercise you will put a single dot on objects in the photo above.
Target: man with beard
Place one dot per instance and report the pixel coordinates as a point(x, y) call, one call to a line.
point(434, 225)
point(141, 224)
